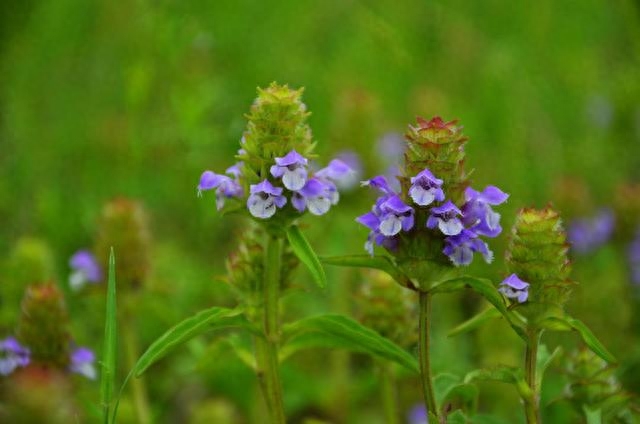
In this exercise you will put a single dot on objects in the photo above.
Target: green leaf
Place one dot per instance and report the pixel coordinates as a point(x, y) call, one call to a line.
point(307, 256)
point(593, 416)
point(382, 263)
point(456, 417)
point(109, 348)
point(338, 331)
point(210, 319)
point(487, 290)
point(543, 360)
point(503, 374)
point(589, 338)
point(475, 321)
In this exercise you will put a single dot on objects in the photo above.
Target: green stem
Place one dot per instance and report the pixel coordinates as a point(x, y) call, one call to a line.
point(425, 362)
point(138, 386)
point(389, 394)
point(532, 403)
point(267, 347)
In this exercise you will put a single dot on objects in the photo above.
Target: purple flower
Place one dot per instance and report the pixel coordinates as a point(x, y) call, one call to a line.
point(445, 217)
point(337, 172)
point(460, 248)
point(477, 212)
point(352, 160)
point(391, 147)
point(418, 415)
point(264, 199)
point(633, 255)
point(425, 188)
point(12, 355)
point(316, 195)
point(82, 362)
point(292, 168)
point(379, 183)
point(514, 288)
point(587, 234)
point(85, 269)
point(225, 186)
point(395, 216)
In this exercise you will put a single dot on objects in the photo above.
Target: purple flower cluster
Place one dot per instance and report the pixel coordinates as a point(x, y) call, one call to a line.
point(588, 234)
point(514, 288)
point(315, 193)
point(85, 269)
point(461, 226)
point(12, 355)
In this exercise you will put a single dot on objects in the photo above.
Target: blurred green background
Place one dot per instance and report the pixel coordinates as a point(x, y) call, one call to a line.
point(101, 99)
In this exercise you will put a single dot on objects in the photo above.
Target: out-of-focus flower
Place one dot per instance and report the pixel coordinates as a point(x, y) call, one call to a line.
point(587, 234)
point(418, 415)
point(12, 355)
point(514, 288)
point(633, 256)
point(82, 362)
point(85, 269)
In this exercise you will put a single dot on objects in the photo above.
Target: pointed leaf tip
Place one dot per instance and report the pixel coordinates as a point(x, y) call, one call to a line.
point(307, 256)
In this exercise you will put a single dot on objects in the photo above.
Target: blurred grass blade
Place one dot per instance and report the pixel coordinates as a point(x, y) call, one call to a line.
point(109, 348)
point(475, 321)
point(210, 319)
point(339, 331)
point(382, 263)
point(307, 256)
point(485, 288)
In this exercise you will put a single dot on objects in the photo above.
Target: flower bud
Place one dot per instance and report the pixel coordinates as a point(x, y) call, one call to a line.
point(537, 254)
point(44, 327)
point(124, 226)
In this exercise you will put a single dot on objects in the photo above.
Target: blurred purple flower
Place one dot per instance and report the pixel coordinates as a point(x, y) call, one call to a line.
point(85, 269)
point(264, 199)
point(292, 168)
point(82, 362)
point(633, 256)
point(12, 355)
point(352, 160)
point(514, 288)
point(391, 147)
point(587, 234)
point(418, 415)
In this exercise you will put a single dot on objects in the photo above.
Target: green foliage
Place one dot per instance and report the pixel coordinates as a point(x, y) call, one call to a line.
point(109, 346)
point(382, 263)
point(306, 254)
point(337, 331)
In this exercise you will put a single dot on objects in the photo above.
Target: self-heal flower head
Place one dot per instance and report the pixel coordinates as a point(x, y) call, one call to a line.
point(85, 269)
point(292, 168)
point(425, 188)
point(477, 213)
point(395, 216)
point(225, 186)
point(12, 355)
point(316, 195)
point(514, 288)
point(460, 248)
point(446, 218)
point(82, 362)
point(264, 199)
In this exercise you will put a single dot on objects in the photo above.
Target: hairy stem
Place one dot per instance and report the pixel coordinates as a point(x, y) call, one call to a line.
point(267, 347)
point(532, 403)
point(425, 362)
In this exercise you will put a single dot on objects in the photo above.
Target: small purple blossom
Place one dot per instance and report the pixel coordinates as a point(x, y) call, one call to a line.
point(587, 234)
point(425, 188)
point(395, 216)
point(225, 186)
point(292, 168)
point(478, 214)
point(337, 172)
point(12, 355)
point(85, 269)
point(445, 217)
point(380, 183)
point(317, 195)
point(514, 288)
point(418, 415)
point(82, 362)
point(460, 248)
point(352, 160)
point(264, 199)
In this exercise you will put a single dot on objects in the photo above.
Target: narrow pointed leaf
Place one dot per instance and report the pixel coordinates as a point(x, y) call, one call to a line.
point(475, 321)
point(504, 374)
point(307, 256)
point(109, 348)
point(338, 331)
point(544, 359)
point(210, 319)
point(487, 290)
point(382, 263)
point(590, 339)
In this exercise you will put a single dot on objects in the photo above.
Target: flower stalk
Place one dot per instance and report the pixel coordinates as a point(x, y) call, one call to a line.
point(424, 354)
point(532, 403)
